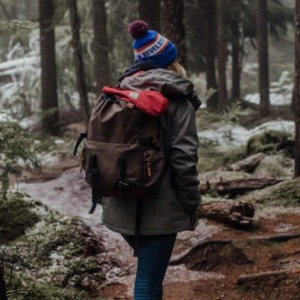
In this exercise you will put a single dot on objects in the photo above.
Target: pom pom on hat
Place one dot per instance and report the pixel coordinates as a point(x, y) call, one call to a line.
point(151, 45)
point(138, 29)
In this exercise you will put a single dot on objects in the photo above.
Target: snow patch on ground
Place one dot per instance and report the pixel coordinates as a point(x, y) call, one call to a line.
point(280, 91)
point(232, 135)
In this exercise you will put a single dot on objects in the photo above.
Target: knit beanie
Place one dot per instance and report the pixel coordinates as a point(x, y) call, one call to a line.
point(150, 45)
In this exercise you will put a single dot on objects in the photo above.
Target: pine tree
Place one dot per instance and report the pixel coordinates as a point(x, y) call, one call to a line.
point(78, 61)
point(297, 89)
point(263, 56)
point(49, 105)
point(149, 11)
point(100, 44)
point(221, 54)
point(172, 22)
point(236, 62)
point(210, 42)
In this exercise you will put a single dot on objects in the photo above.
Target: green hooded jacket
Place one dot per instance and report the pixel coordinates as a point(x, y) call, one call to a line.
point(174, 208)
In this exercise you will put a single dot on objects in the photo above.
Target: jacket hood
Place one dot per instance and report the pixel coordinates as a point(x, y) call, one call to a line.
point(148, 76)
point(162, 80)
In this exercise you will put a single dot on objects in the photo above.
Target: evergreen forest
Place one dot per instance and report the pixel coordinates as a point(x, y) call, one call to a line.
point(243, 58)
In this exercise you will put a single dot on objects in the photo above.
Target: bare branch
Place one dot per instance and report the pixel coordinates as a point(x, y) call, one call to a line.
point(3, 7)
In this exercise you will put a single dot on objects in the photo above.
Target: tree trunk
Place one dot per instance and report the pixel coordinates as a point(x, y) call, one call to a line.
point(100, 45)
point(221, 54)
point(3, 295)
point(236, 62)
point(246, 165)
point(293, 103)
point(14, 10)
point(5, 11)
point(149, 11)
point(236, 187)
point(172, 16)
point(28, 5)
point(297, 89)
point(78, 61)
point(209, 12)
point(263, 56)
point(50, 109)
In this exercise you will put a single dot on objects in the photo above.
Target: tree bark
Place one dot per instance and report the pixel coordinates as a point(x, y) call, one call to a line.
point(229, 212)
point(28, 5)
point(236, 62)
point(78, 61)
point(50, 109)
point(246, 165)
point(297, 89)
point(221, 54)
point(237, 187)
point(209, 12)
point(100, 44)
point(14, 10)
point(5, 11)
point(293, 107)
point(172, 16)
point(3, 295)
point(149, 11)
point(263, 56)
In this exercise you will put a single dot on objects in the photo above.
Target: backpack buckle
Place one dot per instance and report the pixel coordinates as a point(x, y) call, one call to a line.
point(122, 184)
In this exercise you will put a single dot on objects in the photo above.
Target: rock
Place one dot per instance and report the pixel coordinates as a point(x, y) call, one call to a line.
point(271, 141)
point(285, 194)
point(275, 166)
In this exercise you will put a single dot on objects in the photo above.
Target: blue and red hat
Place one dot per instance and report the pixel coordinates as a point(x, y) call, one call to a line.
point(150, 45)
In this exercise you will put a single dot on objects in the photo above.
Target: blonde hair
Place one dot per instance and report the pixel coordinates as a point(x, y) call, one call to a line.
point(176, 67)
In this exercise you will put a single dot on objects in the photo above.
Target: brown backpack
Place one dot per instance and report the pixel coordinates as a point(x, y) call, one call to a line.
point(122, 156)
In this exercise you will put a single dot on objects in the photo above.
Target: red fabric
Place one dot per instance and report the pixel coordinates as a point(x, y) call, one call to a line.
point(150, 102)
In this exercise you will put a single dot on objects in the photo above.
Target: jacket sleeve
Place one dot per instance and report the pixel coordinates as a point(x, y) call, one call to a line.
point(183, 157)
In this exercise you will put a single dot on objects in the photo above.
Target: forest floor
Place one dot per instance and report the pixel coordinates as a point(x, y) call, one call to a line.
point(244, 256)
point(211, 271)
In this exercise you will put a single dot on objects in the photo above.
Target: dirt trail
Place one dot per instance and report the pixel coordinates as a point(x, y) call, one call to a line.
point(208, 274)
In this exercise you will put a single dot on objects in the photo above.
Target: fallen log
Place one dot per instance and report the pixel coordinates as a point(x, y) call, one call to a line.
point(258, 276)
point(230, 212)
point(237, 187)
point(246, 165)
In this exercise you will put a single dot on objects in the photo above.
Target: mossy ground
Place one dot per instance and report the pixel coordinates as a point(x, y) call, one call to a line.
point(285, 194)
point(271, 142)
point(16, 216)
point(52, 256)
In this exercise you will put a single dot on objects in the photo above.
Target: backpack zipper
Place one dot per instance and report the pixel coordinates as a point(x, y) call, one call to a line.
point(149, 171)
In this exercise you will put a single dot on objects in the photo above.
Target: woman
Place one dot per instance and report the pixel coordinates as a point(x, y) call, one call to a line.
point(174, 208)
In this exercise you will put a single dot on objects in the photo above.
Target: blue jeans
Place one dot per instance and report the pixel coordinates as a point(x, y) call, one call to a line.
point(154, 253)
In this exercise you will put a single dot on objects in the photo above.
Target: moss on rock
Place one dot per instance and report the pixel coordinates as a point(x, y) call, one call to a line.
point(271, 141)
point(285, 194)
point(22, 287)
point(275, 166)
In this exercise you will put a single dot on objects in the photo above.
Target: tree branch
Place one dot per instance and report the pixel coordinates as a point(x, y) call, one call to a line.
point(7, 15)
